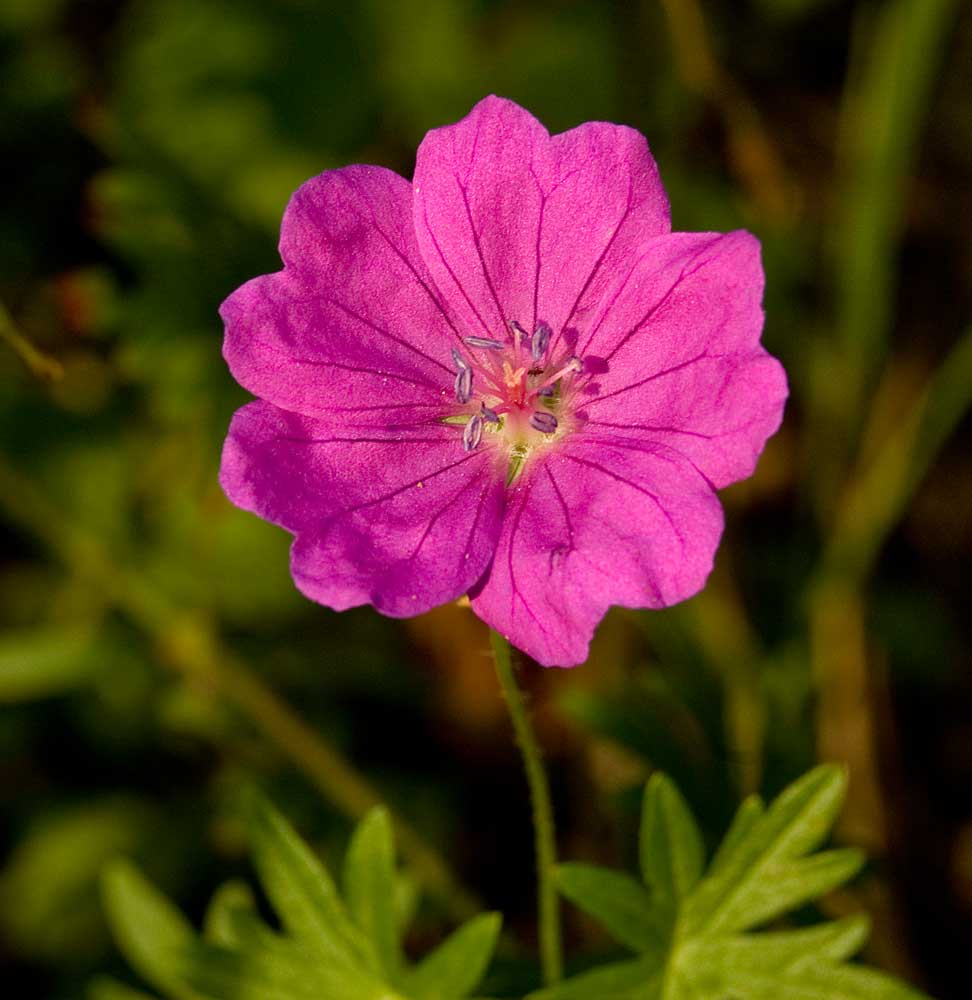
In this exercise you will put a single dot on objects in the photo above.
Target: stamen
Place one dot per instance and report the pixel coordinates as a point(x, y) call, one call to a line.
point(544, 422)
point(518, 332)
point(545, 390)
point(473, 433)
point(461, 363)
point(540, 341)
point(486, 343)
point(464, 384)
point(489, 415)
point(574, 366)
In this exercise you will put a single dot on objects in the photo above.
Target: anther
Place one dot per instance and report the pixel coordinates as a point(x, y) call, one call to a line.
point(490, 416)
point(545, 390)
point(461, 363)
point(576, 363)
point(486, 343)
point(546, 423)
point(540, 341)
point(464, 385)
point(473, 433)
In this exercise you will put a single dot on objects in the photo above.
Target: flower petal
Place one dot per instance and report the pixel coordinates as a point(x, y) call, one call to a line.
point(678, 342)
point(404, 520)
point(352, 325)
point(595, 524)
point(516, 224)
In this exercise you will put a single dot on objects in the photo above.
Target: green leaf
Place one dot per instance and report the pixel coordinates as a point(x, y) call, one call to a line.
point(455, 968)
point(671, 851)
point(149, 929)
point(221, 924)
point(327, 947)
point(106, 988)
point(735, 897)
point(370, 887)
point(618, 902)
point(640, 980)
point(302, 891)
point(704, 946)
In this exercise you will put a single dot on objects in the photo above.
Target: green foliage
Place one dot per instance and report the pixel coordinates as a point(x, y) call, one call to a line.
point(694, 932)
point(327, 946)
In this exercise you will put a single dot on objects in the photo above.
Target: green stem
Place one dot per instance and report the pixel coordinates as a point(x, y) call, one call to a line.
point(543, 823)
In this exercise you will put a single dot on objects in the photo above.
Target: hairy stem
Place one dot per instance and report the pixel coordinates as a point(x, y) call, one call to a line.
point(543, 823)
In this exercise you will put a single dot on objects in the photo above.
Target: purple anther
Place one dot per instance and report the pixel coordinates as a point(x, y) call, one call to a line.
point(473, 433)
point(544, 422)
point(490, 416)
point(486, 343)
point(461, 363)
point(540, 341)
point(518, 330)
point(545, 390)
point(464, 385)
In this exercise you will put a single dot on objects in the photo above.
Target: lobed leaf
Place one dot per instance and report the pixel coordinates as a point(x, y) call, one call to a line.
point(151, 932)
point(325, 949)
point(619, 903)
point(370, 888)
point(796, 822)
point(762, 870)
point(456, 966)
point(671, 851)
point(302, 891)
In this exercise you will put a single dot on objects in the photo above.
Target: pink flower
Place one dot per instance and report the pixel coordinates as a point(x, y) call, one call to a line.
point(508, 378)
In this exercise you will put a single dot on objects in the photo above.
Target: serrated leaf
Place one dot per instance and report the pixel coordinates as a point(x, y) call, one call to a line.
point(671, 851)
point(370, 888)
point(456, 966)
point(619, 903)
point(302, 892)
point(149, 929)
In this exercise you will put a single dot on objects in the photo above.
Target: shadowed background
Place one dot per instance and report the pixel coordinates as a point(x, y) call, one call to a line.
point(154, 654)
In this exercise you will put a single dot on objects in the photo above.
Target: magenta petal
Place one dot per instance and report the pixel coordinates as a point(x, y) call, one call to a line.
point(678, 342)
point(352, 325)
point(596, 524)
point(402, 520)
point(516, 224)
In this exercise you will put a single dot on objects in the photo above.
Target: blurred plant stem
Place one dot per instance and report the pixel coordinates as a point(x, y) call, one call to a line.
point(898, 51)
point(752, 153)
point(39, 364)
point(189, 643)
point(543, 822)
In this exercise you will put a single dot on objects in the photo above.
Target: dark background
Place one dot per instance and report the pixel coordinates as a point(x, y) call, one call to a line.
point(154, 654)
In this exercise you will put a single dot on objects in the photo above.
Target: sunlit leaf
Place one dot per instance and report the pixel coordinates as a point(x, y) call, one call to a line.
point(763, 870)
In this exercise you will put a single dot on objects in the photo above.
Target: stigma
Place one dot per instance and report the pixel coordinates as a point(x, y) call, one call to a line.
point(515, 393)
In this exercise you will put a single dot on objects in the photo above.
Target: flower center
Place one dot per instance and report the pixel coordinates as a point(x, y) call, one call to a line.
point(516, 396)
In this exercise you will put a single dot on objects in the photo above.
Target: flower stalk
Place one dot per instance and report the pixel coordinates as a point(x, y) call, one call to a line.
point(545, 845)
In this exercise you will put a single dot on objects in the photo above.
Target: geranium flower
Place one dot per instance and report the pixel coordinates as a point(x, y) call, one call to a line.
point(508, 378)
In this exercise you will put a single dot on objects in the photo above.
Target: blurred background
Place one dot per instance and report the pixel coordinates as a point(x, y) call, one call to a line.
point(154, 654)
